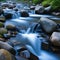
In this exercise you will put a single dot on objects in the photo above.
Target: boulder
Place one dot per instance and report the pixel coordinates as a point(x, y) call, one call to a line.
point(48, 10)
point(24, 13)
point(48, 25)
point(5, 55)
point(1, 11)
point(5, 5)
point(11, 27)
point(56, 13)
point(39, 9)
point(1, 24)
point(4, 45)
point(8, 15)
point(55, 38)
point(2, 19)
point(32, 7)
point(3, 31)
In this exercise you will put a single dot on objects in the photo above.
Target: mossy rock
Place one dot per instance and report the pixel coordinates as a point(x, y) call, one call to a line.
point(5, 55)
point(2, 19)
point(11, 27)
point(1, 36)
point(1, 24)
point(3, 31)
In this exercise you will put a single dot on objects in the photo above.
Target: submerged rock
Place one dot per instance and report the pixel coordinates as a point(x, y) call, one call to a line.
point(5, 55)
point(4, 45)
point(48, 25)
point(24, 13)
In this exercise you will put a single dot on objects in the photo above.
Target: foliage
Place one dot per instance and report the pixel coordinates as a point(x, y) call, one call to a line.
point(36, 1)
point(2, 0)
point(55, 4)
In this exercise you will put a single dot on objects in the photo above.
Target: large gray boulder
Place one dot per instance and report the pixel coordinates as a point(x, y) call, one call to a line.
point(5, 55)
point(4, 45)
point(48, 25)
point(55, 38)
point(39, 9)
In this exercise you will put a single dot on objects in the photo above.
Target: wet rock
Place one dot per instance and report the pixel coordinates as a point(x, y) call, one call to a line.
point(11, 6)
point(39, 9)
point(8, 15)
point(48, 25)
point(48, 10)
point(4, 5)
point(2, 19)
point(4, 45)
point(32, 7)
point(2, 39)
point(24, 13)
point(3, 31)
point(1, 11)
point(56, 13)
point(11, 27)
point(1, 24)
point(5, 55)
point(25, 54)
point(55, 38)
point(15, 9)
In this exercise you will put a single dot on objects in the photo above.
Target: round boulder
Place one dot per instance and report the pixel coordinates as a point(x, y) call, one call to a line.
point(3, 31)
point(24, 13)
point(4, 45)
point(48, 25)
point(55, 38)
point(2, 19)
point(11, 27)
point(39, 9)
point(5, 55)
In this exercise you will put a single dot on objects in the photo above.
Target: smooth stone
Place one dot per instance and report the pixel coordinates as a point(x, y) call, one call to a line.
point(3, 31)
point(55, 38)
point(48, 25)
point(5, 55)
point(4, 45)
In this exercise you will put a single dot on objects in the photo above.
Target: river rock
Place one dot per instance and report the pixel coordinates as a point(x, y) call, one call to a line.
point(48, 25)
point(32, 7)
point(1, 11)
point(2, 19)
point(8, 15)
point(4, 5)
point(55, 38)
point(56, 13)
point(4, 45)
point(39, 9)
point(24, 13)
point(48, 10)
point(11, 27)
point(3, 31)
point(5, 55)
point(1, 24)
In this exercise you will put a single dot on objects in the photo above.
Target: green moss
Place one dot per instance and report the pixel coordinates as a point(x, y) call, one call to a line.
point(55, 4)
point(36, 1)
